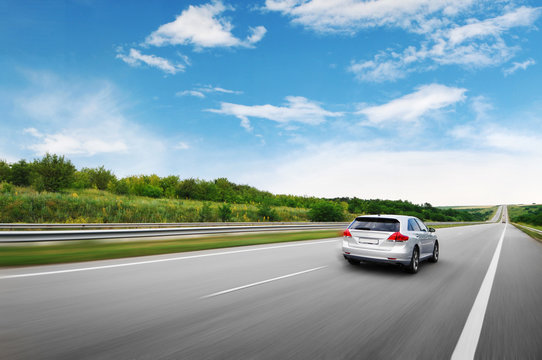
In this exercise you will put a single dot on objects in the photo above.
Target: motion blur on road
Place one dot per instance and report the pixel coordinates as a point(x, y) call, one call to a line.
point(287, 301)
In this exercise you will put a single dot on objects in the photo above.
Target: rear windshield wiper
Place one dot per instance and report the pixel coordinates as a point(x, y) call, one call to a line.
point(362, 228)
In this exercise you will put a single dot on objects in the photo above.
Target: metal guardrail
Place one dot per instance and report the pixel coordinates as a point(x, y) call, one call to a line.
point(122, 230)
point(529, 228)
point(16, 226)
point(53, 235)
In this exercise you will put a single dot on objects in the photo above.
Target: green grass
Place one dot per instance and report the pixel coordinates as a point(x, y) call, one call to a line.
point(40, 254)
point(535, 235)
point(94, 206)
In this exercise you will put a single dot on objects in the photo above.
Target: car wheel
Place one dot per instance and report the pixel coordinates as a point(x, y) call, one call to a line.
point(434, 257)
point(352, 261)
point(414, 261)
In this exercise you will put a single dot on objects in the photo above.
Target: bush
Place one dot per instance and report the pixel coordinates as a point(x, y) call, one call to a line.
point(326, 211)
point(206, 213)
point(99, 177)
point(224, 212)
point(6, 188)
point(151, 191)
point(52, 173)
point(266, 212)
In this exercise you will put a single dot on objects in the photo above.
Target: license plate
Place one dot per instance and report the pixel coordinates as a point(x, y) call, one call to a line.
point(368, 241)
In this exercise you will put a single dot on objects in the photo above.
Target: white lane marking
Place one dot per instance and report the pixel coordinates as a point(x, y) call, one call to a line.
point(161, 260)
point(468, 341)
point(261, 282)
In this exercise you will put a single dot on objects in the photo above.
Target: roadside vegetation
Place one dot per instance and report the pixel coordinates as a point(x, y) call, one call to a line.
point(527, 215)
point(530, 215)
point(51, 190)
point(74, 251)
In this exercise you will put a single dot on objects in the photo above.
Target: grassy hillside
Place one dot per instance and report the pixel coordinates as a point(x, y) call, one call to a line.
point(23, 204)
point(526, 214)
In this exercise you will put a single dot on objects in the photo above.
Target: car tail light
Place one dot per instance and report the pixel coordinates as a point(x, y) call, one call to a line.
point(346, 233)
point(397, 236)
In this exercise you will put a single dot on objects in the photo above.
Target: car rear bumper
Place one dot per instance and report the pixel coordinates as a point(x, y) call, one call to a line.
point(399, 255)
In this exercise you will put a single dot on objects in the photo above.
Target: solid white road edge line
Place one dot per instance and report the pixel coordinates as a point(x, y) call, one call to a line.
point(468, 341)
point(261, 282)
point(162, 260)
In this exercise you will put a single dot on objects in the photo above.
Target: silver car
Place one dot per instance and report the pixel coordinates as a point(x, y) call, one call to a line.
point(395, 239)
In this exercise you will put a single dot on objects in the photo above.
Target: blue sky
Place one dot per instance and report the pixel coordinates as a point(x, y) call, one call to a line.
point(426, 100)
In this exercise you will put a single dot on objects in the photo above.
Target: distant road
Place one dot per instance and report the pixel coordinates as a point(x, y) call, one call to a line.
point(282, 301)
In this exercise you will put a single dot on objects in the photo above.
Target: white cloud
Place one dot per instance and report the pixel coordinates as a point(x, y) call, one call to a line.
point(498, 138)
point(516, 66)
point(494, 27)
point(412, 107)
point(86, 121)
point(194, 93)
point(475, 44)
point(297, 109)
point(72, 142)
point(201, 91)
point(135, 58)
point(203, 27)
point(351, 15)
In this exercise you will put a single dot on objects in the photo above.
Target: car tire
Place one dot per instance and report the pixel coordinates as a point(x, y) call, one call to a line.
point(414, 261)
point(352, 261)
point(436, 249)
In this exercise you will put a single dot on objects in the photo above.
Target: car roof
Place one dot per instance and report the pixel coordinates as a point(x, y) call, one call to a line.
point(388, 216)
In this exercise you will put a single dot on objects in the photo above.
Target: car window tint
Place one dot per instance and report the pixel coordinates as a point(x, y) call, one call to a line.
point(375, 224)
point(422, 225)
point(413, 225)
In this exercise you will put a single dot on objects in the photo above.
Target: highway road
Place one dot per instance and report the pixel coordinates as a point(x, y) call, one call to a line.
point(283, 301)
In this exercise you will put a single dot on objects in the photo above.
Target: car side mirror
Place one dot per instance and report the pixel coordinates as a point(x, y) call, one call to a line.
point(431, 230)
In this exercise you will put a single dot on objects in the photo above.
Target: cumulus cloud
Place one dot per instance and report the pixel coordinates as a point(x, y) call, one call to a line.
point(412, 107)
point(204, 27)
point(135, 58)
point(516, 66)
point(297, 109)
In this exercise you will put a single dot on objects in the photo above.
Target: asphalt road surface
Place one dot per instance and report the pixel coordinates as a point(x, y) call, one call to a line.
point(283, 301)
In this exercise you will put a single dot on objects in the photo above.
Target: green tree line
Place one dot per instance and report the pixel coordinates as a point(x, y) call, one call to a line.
point(53, 173)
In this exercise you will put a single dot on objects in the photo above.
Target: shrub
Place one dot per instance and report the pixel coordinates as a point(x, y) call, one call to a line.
point(266, 212)
point(206, 213)
point(52, 173)
point(99, 177)
point(6, 188)
point(326, 211)
point(224, 212)
point(151, 191)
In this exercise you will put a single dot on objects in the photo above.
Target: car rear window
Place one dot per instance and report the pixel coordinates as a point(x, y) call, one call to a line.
point(375, 224)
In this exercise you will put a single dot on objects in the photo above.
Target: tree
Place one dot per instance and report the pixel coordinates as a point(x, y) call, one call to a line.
point(99, 177)
point(21, 173)
point(5, 171)
point(52, 173)
point(326, 211)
